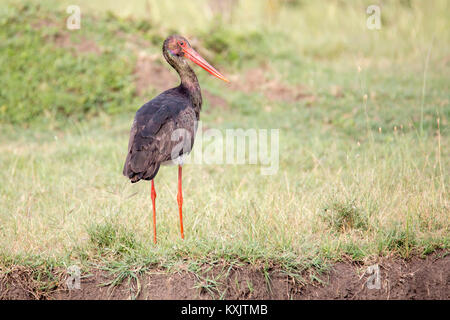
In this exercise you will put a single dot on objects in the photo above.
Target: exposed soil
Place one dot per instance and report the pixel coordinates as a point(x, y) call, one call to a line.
point(62, 38)
point(148, 73)
point(427, 278)
point(254, 80)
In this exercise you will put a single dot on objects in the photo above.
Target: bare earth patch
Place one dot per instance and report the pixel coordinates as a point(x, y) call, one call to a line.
point(62, 38)
point(148, 73)
point(254, 80)
point(427, 278)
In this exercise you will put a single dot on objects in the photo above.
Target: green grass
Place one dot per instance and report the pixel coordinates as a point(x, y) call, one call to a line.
point(358, 177)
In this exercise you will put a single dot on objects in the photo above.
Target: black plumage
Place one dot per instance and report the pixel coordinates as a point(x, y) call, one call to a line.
point(154, 133)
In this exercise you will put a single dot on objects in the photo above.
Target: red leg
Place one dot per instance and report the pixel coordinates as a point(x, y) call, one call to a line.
point(180, 201)
point(153, 195)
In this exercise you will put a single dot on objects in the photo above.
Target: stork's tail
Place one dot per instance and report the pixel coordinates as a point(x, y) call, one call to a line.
point(134, 177)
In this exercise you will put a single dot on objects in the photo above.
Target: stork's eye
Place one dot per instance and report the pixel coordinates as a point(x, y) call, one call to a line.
point(181, 43)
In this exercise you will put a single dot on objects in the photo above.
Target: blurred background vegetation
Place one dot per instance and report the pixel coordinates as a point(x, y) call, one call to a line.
point(41, 78)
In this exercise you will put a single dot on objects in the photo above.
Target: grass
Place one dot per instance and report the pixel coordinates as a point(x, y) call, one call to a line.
point(342, 216)
point(361, 174)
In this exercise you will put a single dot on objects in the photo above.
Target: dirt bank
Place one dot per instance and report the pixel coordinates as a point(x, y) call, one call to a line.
point(417, 278)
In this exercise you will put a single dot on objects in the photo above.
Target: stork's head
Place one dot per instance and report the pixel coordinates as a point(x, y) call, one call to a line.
point(177, 49)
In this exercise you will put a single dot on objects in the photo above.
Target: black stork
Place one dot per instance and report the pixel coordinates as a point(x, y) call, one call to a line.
point(152, 140)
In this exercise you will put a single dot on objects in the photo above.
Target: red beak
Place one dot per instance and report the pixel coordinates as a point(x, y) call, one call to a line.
point(196, 58)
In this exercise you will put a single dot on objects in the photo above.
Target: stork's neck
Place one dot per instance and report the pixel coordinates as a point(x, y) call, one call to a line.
point(189, 81)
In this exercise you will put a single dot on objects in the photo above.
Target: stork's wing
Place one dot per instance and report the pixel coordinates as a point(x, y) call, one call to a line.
point(151, 141)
